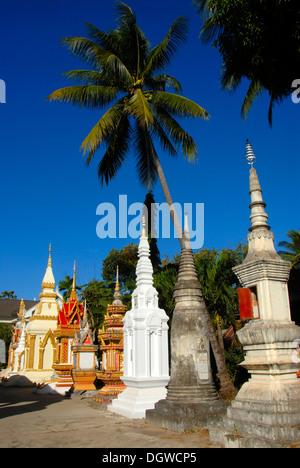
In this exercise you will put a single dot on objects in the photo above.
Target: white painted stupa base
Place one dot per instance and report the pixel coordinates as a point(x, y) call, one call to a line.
point(139, 396)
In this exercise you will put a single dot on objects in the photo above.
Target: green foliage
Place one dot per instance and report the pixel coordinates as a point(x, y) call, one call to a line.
point(126, 73)
point(8, 295)
point(219, 283)
point(126, 259)
point(98, 294)
point(258, 40)
point(6, 335)
point(293, 252)
point(164, 282)
point(234, 355)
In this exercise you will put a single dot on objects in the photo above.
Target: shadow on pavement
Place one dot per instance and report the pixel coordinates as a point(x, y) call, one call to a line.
point(19, 400)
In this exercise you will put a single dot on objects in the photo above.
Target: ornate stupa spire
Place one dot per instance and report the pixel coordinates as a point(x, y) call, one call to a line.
point(144, 269)
point(117, 294)
point(260, 239)
point(48, 281)
point(187, 284)
point(73, 295)
point(21, 310)
point(250, 156)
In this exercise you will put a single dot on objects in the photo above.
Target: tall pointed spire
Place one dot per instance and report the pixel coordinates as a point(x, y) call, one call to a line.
point(73, 295)
point(260, 239)
point(258, 217)
point(21, 309)
point(144, 269)
point(49, 281)
point(187, 284)
point(117, 294)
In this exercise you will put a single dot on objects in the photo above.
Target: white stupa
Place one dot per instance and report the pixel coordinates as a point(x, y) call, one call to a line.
point(146, 357)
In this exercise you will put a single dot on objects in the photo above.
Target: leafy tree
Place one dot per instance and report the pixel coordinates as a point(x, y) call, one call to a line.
point(257, 40)
point(8, 295)
point(164, 282)
point(131, 76)
point(6, 335)
point(126, 259)
point(293, 252)
point(98, 294)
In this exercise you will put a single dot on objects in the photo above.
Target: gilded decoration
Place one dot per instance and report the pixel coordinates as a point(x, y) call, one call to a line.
point(111, 344)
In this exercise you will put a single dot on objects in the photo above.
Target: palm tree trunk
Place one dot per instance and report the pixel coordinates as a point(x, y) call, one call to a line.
point(227, 389)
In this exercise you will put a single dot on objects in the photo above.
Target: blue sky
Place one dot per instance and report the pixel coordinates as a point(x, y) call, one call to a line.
point(48, 195)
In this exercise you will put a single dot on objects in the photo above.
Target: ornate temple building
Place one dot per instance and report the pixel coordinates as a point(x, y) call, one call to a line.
point(68, 323)
point(111, 344)
point(40, 344)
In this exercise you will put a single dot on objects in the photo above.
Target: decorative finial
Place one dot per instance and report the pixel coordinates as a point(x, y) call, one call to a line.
point(117, 294)
point(21, 309)
point(144, 234)
point(73, 294)
point(49, 259)
point(250, 156)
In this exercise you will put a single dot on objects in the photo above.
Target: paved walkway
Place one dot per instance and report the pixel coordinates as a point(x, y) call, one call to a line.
point(30, 420)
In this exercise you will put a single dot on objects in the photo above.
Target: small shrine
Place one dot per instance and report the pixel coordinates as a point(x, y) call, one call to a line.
point(110, 339)
point(84, 357)
point(68, 323)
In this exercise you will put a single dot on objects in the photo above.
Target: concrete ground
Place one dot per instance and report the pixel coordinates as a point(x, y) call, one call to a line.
point(30, 420)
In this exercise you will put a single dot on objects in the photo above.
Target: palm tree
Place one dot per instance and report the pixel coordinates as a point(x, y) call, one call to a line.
point(8, 295)
point(293, 253)
point(129, 75)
